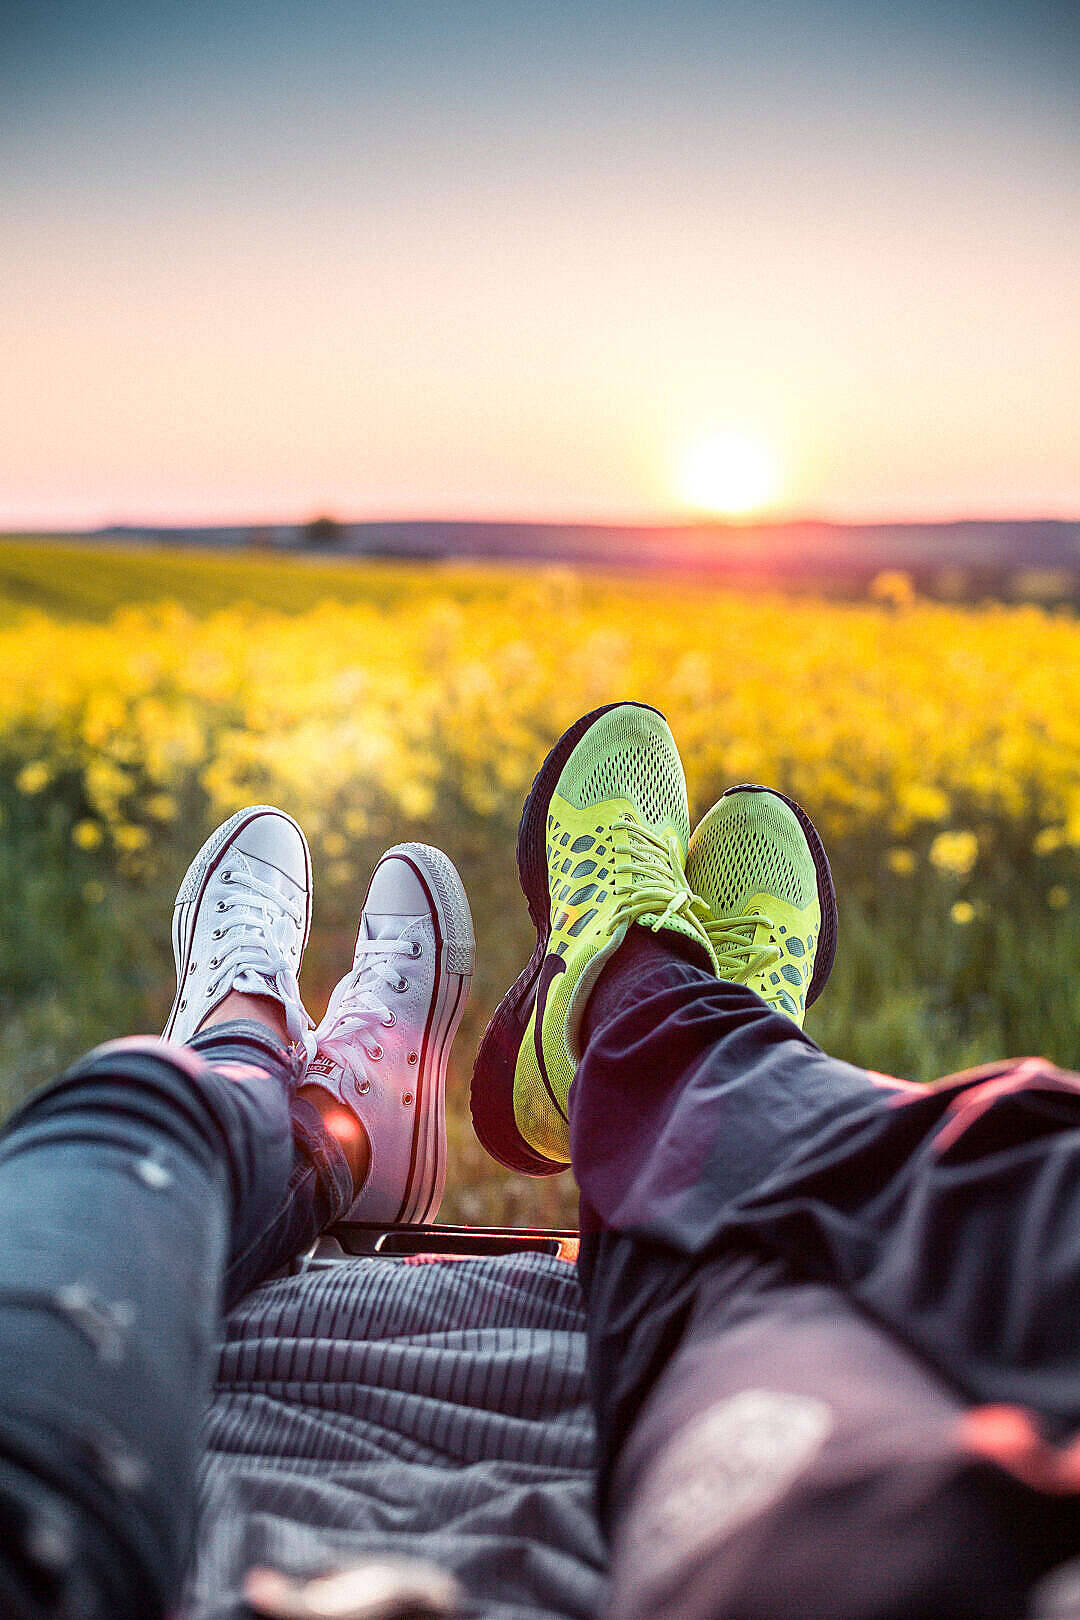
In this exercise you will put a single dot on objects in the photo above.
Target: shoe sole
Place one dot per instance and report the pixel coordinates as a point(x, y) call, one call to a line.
point(491, 1097)
point(189, 896)
point(455, 958)
point(826, 945)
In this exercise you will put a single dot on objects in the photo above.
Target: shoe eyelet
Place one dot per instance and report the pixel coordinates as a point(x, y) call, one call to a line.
point(213, 961)
point(210, 989)
point(389, 1021)
point(217, 933)
point(374, 1052)
point(402, 987)
point(192, 966)
point(226, 877)
point(221, 906)
point(406, 1098)
point(364, 1087)
point(417, 949)
point(183, 1004)
point(414, 1057)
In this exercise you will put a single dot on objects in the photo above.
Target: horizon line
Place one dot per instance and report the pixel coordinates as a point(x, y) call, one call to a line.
point(680, 521)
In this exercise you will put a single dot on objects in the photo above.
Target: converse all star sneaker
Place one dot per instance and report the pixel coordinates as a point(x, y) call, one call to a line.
point(241, 922)
point(601, 847)
point(385, 1041)
point(757, 862)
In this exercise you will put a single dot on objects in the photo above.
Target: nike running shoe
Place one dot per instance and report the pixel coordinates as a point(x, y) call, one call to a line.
point(385, 1041)
point(601, 845)
point(241, 921)
point(757, 862)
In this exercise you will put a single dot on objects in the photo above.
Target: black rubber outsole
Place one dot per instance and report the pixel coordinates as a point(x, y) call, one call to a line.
point(491, 1096)
point(826, 945)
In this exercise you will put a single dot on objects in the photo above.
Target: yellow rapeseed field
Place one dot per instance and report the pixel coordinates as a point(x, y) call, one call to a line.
point(924, 719)
point(937, 748)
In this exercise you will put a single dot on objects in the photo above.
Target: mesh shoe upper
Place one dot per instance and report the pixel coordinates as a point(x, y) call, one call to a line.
point(616, 833)
point(630, 756)
point(754, 845)
point(750, 862)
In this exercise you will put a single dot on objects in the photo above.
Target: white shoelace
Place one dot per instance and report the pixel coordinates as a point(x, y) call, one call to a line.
point(261, 945)
point(358, 1006)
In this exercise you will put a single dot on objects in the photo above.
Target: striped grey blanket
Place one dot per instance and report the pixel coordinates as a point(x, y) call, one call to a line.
point(435, 1410)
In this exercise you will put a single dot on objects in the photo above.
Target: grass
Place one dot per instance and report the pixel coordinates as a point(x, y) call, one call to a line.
point(89, 580)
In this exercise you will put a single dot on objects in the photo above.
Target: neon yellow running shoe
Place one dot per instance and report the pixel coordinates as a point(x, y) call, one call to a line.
point(601, 845)
point(759, 865)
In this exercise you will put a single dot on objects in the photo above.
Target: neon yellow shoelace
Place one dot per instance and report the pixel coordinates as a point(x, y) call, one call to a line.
point(658, 886)
point(737, 957)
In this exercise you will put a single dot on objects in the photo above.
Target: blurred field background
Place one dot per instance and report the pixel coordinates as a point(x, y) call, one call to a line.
point(146, 695)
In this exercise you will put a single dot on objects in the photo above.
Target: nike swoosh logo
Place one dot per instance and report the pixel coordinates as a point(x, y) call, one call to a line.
point(550, 969)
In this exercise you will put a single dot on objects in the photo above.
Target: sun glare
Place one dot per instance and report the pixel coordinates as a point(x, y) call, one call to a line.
point(729, 473)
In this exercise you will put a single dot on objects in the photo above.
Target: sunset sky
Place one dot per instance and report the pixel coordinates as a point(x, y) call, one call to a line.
point(597, 260)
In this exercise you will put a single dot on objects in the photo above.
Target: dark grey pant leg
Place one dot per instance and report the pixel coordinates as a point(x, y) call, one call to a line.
point(794, 1460)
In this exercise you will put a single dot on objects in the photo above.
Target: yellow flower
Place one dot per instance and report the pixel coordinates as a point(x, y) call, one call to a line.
point(33, 777)
point(93, 892)
point(955, 852)
point(901, 861)
point(333, 844)
point(129, 838)
point(1048, 839)
point(923, 802)
point(962, 911)
point(87, 834)
point(106, 786)
point(416, 799)
point(1057, 897)
point(162, 806)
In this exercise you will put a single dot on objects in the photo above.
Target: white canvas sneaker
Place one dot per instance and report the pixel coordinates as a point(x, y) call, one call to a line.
point(241, 921)
point(384, 1043)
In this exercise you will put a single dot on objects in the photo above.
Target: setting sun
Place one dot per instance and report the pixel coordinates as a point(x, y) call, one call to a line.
point(729, 473)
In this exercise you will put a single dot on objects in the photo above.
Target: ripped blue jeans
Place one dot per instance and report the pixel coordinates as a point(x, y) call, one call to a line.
point(191, 1165)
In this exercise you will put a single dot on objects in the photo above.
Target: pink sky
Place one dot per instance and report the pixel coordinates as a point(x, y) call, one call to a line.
point(221, 298)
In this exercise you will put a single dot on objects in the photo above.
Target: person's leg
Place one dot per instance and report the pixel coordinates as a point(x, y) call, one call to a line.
point(793, 1459)
point(124, 1189)
point(158, 1181)
point(766, 1447)
point(239, 931)
point(140, 1192)
point(691, 1093)
point(707, 1131)
point(320, 1181)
